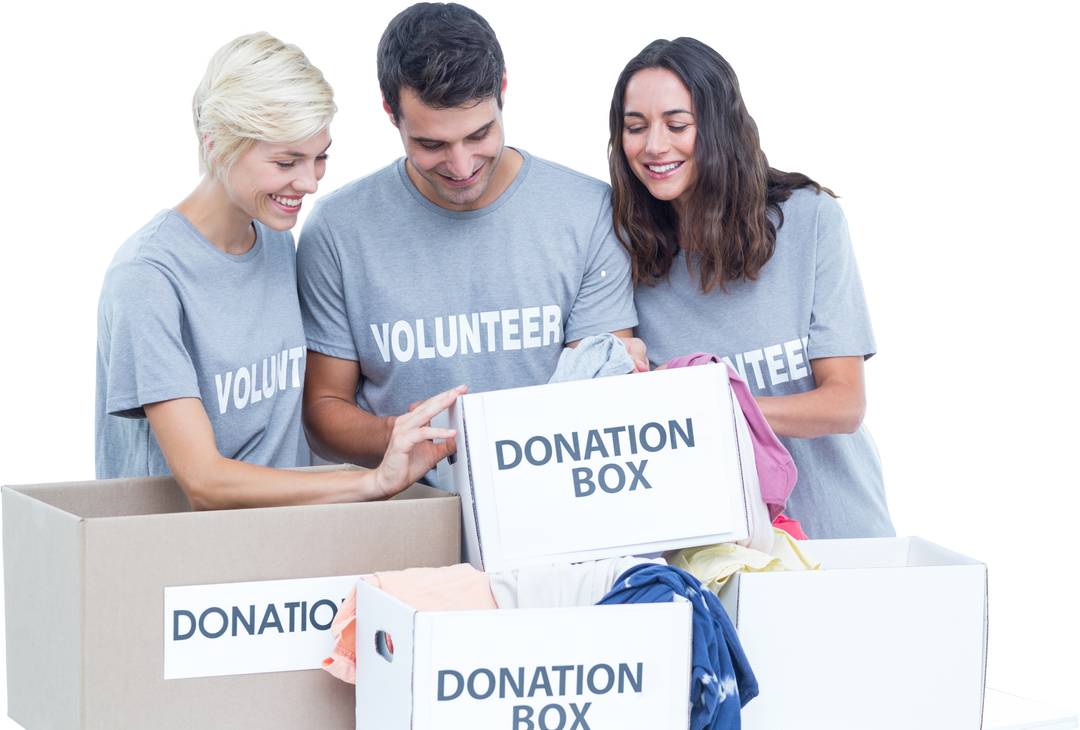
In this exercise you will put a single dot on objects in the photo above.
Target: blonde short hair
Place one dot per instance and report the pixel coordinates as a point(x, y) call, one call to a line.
point(257, 88)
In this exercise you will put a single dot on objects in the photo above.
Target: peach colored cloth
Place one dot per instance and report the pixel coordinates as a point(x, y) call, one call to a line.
point(453, 588)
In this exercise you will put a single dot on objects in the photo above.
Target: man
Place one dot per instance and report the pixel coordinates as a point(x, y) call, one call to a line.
point(465, 262)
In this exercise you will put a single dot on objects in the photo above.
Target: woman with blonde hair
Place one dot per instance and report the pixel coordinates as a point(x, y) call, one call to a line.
point(736, 258)
point(200, 361)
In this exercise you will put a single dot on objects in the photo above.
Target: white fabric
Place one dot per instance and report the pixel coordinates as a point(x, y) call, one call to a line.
point(563, 585)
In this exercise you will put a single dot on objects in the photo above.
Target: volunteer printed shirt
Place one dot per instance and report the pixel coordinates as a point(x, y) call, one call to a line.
point(426, 298)
point(808, 303)
point(179, 318)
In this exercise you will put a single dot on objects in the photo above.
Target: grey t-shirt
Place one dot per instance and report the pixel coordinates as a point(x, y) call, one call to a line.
point(807, 304)
point(426, 298)
point(179, 318)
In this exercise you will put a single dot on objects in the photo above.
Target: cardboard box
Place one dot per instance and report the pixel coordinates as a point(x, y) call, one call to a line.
point(87, 566)
point(890, 633)
point(595, 667)
point(600, 468)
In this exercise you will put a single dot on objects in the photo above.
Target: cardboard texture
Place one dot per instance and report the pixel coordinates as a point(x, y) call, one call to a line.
point(600, 468)
point(86, 565)
point(621, 667)
point(890, 633)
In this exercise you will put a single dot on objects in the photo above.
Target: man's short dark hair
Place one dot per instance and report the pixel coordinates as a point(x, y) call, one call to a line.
point(443, 52)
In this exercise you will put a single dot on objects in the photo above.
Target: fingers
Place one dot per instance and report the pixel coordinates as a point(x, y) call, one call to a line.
point(636, 349)
point(428, 433)
point(443, 450)
point(425, 411)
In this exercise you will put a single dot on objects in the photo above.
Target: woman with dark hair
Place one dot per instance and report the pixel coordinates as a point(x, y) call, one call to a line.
point(739, 259)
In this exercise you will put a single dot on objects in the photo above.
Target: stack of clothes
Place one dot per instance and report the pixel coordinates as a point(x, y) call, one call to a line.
point(722, 681)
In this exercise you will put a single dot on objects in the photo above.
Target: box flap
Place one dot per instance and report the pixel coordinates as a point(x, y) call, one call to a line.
point(385, 647)
point(461, 483)
point(43, 610)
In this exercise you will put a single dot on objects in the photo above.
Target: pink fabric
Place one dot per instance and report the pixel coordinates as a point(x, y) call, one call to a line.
point(790, 526)
point(776, 470)
point(453, 588)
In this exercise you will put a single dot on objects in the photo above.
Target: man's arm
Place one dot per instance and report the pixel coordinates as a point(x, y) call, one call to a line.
point(337, 429)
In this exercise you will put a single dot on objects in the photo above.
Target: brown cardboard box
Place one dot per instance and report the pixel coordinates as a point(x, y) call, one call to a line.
point(86, 565)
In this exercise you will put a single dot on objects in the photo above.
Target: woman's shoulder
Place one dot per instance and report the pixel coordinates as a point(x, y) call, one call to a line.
point(142, 260)
point(161, 233)
point(811, 199)
point(810, 211)
point(558, 185)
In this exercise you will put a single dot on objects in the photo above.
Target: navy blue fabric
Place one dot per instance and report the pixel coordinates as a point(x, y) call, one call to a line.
point(721, 682)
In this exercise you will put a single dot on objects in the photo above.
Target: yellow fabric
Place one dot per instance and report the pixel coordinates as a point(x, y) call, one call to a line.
point(714, 564)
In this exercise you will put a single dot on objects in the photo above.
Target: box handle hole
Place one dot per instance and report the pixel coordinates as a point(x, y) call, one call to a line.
point(384, 645)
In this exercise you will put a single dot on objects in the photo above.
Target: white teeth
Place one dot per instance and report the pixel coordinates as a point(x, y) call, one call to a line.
point(291, 202)
point(663, 168)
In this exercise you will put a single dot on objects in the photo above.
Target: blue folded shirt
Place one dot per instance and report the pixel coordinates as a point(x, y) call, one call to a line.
point(721, 682)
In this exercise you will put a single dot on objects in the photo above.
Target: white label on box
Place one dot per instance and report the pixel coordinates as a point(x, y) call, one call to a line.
point(590, 667)
point(251, 628)
point(593, 470)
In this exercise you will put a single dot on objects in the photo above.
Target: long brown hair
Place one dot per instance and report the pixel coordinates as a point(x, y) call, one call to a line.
point(727, 216)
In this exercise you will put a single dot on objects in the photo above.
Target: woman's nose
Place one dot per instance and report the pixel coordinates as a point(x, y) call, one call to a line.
point(656, 143)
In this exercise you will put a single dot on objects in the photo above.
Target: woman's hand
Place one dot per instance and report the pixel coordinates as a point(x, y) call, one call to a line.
point(636, 348)
point(412, 453)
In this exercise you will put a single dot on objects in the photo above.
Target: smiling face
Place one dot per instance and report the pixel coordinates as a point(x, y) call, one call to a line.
point(453, 153)
point(658, 134)
point(269, 181)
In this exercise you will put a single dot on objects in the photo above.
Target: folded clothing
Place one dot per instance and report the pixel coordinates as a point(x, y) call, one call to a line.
point(714, 564)
point(721, 680)
point(463, 587)
point(596, 356)
point(562, 585)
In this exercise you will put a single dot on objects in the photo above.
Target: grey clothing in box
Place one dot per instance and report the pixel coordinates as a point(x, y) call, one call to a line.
point(179, 318)
point(426, 298)
point(807, 304)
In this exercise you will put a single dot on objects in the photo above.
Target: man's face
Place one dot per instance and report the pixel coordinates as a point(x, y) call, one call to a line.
point(452, 152)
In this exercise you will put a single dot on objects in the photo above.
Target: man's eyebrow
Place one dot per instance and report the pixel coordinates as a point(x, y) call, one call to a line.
point(479, 131)
point(665, 114)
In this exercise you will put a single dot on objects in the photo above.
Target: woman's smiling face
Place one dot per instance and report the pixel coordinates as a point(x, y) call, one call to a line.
point(658, 134)
point(269, 181)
